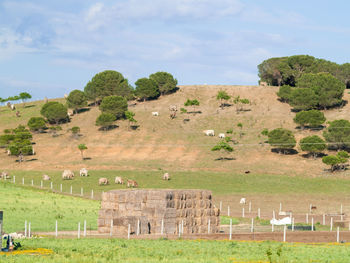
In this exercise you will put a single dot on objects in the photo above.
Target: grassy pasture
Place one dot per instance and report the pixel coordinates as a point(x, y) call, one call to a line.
point(184, 251)
point(43, 208)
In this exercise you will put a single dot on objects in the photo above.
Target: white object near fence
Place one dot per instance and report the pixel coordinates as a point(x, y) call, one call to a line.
point(293, 224)
point(310, 208)
point(280, 207)
point(25, 228)
point(349, 226)
point(180, 230)
point(272, 227)
point(92, 194)
point(162, 227)
point(61, 188)
point(273, 214)
point(81, 191)
point(208, 226)
point(307, 218)
point(29, 225)
point(284, 233)
point(56, 229)
point(182, 226)
point(22, 180)
point(129, 231)
point(312, 224)
point(243, 212)
point(220, 206)
point(51, 185)
point(228, 210)
point(341, 209)
point(230, 229)
point(250, 207)
point(252, 226)
point(331, 223)
point(111, 232)
point(41, 184)
point(71, 189)
point(84, 228)
point(338, 234)
point(258, 212)
point(79, 230)
point(138, 227)
point(32, 182)
point(324, 219)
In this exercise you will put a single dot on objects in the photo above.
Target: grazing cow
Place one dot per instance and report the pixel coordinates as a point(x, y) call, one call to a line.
point(103, 181)
point(119, 180)
point(8, 152)
point(18, 114)
point(166, 176)
point(173, 108)
point(222, 135)
point(70, 113)
point(67, 175)
point(243, 201)
point(46, 177)
point(209, 132)
point(4, 175)
point(84, 172)
point(132, 183)
point(13, 107)
point(155, 113)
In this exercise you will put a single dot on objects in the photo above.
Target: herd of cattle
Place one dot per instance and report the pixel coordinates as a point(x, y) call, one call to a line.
point(69, 175)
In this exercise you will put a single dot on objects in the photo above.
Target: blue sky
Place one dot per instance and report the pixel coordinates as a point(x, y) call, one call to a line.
point(49, 48)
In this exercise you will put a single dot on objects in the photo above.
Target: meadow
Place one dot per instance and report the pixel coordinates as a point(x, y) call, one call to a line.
point(184, 251)
point(43, 208)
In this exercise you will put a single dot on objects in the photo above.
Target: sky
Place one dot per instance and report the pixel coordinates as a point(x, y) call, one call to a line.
point(49, 48)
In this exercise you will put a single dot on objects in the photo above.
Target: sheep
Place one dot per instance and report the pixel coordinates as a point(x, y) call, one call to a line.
point(209, 132)
point(155, 113)
point(13, 107)
point(67, 175)
point(118, 180)
point(173, 108)
point(132, 183)
point(46, 177)
point(166, 176)
point(84, 172)
point(243, 201)
point(103, 181)
point(4, 175)
point(221, 135)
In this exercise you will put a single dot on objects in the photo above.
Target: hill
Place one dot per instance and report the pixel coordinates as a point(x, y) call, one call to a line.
point(163, 143)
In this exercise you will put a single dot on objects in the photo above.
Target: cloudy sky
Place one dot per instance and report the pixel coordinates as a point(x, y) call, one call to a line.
point(49, 48)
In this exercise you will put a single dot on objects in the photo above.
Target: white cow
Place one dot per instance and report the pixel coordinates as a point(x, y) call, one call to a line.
point(155, 113)
point(13, 107)
point(46, 177)
point(103, 181)
point(221, 135)
point(8, 152)
point(209, 132)
point(67, 175)
point(243, 201)
point(118, 180)
point(84, 172)
point(166, 176)
point(4, 175)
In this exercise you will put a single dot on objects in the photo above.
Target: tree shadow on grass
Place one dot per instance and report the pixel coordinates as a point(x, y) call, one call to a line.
point(284, 151)
point(310, 155)
point(29, 106)
point(86, 158)
point(134, 127)
point(27, 160)
point(108, 128)
point(225, 159)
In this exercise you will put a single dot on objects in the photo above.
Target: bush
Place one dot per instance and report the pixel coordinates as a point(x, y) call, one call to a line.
point(115, 105)
point(313, 144)
point(281, 138)
point(336, 161)
point(146, 89)
point(338, 134)
point(165, 82)
point(54, 112)
point(76, 100)
point(312, 118)
point(303, 99)
point(105, 120)
point(36, 124)
point(183, 110)
point(284, 93)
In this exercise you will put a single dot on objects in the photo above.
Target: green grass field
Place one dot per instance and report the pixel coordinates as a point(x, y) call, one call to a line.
point(43, 208)
point(219, 183)
point(181, 251)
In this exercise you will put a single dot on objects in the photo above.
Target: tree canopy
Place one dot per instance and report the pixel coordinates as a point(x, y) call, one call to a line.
point(282, 139)
point(337, 134)
point(115, 105)
point(105, 120)
point(336, 161)
point(312, 144)
point(36, 124)
point(222, 96)
point(54, 112)
point(25, 96)
point(76, 100)
point(312, 118)
point(146, 89)
point(165, 82)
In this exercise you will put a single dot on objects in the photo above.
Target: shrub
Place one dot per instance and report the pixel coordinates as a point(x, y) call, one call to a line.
point(313, 144)
point(165, 82)
point(284, 93)
point(105, 120)
point(115, 105)
point(54, 112)
point(338, 134)
point(312, 118)
point(76, 100)
point(282, 139)
point(36, 124)
point(146, 89)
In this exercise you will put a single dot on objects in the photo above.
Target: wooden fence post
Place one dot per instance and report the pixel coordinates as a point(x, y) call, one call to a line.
point(79, 230)
point(32, 182)
point(220, 206)
point(111, 232)
point(56, 229)
point(331, 223)
point(92, 194)
point(230, 229)
point(71, 189)
point(252, 226)
point(129, 231)
point(323, 219)
point(29, 230)
point(25, 228)
point(162, 227)
point(284, 233)
point(259, 213)
point(243, 212)
point(84, 228)
point(61, 188)
point(250, 207)
point(22, 180)
point(338, 234)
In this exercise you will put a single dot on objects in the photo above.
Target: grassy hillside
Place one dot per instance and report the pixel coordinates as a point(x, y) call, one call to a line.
point(172, 145)
point(42, 209)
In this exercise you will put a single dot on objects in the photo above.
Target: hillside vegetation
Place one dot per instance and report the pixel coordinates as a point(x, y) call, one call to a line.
point(172, 144)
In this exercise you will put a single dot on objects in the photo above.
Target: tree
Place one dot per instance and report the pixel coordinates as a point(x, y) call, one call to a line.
point(130, 117)
point(107, 83)
point(313, 144)
point(25, 96)
point(36, 124)
point(146, 89)
point(240, 126)
point(223, 145)
point(192, 103)
point(165, 82)
point(105, 120)
point(240, 102)
point(82, 147)
point(75, 131)
point(282, 139)
point(17, 141)
point(338, 134)
point(115, 105)
point(284, 93)
point(54, 112)
point(76, 100)
point(303, 99)
point(336, 161)
point(222, 96)
point(313, 118)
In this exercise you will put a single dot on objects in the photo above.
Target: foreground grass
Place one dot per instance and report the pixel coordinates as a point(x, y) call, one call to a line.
point(42, 209)
point(219, 183)
point(115, 250)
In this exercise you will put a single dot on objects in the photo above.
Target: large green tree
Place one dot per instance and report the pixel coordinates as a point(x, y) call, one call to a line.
point(24, 96)
point(313, 144)
point(36, 124)
point(105, 120)
point(108, 83)
point(146, 89)
point(303, 99)
point(223, 146)
point(337, 134)
point(76, 100)
point(312, 118)
point(115, 105)
point(165, 82)
point(282, 139)
point(54, 112)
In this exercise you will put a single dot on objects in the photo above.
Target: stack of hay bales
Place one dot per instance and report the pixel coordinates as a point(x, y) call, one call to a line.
point(192, 208)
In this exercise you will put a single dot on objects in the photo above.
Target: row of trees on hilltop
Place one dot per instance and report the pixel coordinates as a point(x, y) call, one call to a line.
point(280, 71)
point(23, 96)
